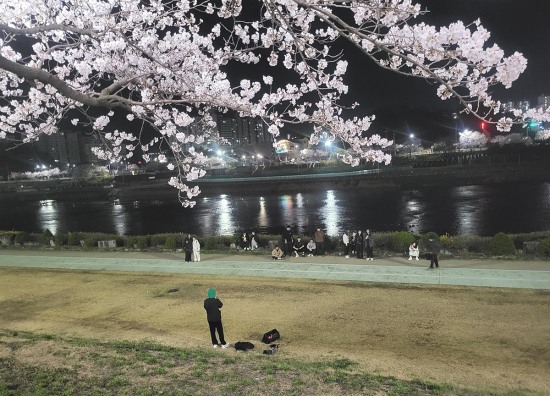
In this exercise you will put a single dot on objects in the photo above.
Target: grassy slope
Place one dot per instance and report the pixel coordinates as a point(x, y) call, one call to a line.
point(479, 338)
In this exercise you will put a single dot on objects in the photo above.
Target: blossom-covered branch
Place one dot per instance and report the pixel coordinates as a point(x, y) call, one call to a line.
point(166, 65)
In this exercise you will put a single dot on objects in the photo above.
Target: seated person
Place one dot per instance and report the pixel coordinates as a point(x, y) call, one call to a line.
point(310, 247)
point(277, 253)
point(298, 247)
point(244, 243)
point(413, 251)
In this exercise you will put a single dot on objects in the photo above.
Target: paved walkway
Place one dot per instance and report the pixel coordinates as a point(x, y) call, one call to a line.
point(490, 273)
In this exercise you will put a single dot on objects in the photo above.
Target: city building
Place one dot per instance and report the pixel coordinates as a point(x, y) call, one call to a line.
point(248, 136)
point(67, 147)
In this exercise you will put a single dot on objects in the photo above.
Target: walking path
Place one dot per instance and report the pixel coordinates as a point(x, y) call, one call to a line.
point(490, 273)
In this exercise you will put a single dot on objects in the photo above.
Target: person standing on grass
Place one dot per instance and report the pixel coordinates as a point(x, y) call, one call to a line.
point(188, 247)
point(212, 306)
point(435, 248)
point(196, 249)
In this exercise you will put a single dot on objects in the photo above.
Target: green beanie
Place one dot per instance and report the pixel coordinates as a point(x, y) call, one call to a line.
point(211, 293)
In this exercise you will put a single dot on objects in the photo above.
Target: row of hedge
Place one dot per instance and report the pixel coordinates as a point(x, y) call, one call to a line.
point(386, 243)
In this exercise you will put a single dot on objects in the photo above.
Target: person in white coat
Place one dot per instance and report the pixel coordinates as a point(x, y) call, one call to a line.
point(345, 241)
point(413, 251)
point(196, 249)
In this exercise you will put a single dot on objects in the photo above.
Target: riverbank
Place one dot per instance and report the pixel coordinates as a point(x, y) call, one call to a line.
point(129, 189)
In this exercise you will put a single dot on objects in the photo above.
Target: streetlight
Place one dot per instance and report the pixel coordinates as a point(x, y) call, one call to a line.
point(411, 144)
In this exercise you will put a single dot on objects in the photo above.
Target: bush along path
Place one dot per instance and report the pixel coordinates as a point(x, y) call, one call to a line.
point(525, 245)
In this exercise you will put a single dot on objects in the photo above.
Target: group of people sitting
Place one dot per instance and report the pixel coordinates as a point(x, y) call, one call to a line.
point(298, 249)
point(248, 242)
point(355, 243)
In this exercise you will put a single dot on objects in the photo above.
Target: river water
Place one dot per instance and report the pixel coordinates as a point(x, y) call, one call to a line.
point(460, 210)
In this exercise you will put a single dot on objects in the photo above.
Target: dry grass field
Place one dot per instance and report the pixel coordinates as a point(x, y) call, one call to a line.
point(481, 338)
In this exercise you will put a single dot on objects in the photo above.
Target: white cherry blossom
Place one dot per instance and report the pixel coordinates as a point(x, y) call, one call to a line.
point(163, 66)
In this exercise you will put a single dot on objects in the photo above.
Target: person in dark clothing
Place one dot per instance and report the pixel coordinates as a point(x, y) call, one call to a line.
point(352, 243)
point(299, 247)
point(359, 244)
point(254, 241)
point(435, 248)
point(244, 241)
point(212, 306)
point(319, 239)
point(288, 241)
point(369, 245)
point(188, 247)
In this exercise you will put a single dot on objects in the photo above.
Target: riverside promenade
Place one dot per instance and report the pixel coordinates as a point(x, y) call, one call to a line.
point(468, 272)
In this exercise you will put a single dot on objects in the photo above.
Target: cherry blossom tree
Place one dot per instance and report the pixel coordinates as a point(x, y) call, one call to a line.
point(468, 139)
point(165, 65)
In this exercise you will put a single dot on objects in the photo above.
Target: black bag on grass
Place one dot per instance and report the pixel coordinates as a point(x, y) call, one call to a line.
point(243, 346)
point(271, 336)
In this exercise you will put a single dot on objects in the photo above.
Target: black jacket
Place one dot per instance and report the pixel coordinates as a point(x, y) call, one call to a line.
point(212, 306)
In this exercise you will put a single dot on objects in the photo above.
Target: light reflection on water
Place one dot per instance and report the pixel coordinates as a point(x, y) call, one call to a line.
point(480, 210)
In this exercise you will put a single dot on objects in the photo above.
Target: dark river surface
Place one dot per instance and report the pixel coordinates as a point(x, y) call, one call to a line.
point(460, 210)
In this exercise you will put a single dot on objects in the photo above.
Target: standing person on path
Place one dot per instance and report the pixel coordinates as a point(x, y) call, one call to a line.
point(369, 245)
point(435, 248)
point(345, 241)
point(359, 244)
point(319, 239)
point(254, 241)
point(196, 249)
point(352, 243)
point(288, 241)
point(212, 306)
point(188, 247)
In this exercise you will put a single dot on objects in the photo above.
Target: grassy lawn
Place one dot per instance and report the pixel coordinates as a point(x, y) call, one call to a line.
point(78, 332)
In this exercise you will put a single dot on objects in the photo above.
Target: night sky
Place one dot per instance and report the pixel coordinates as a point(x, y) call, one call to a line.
point(515, 26)
point(410, 105)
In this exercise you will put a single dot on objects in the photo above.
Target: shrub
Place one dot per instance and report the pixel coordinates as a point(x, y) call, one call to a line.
point(543, 249)
point(170, 243)
point(90, 243)
point(502, 245)
point(383, 240)
point(142, 242)
point(22, 237)
point(158, 240)
point(60, 239)
point(331, 243)
point(401, 241)
point(131, 241)
point(45, 237)
point(73, 239)
point(211, 243)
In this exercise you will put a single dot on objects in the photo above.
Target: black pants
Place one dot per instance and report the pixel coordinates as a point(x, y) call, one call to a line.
point(359, 251)
point(434, 261)
point(319, 248)
point(287, 249)
point(219, 327)
point(370, 252)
